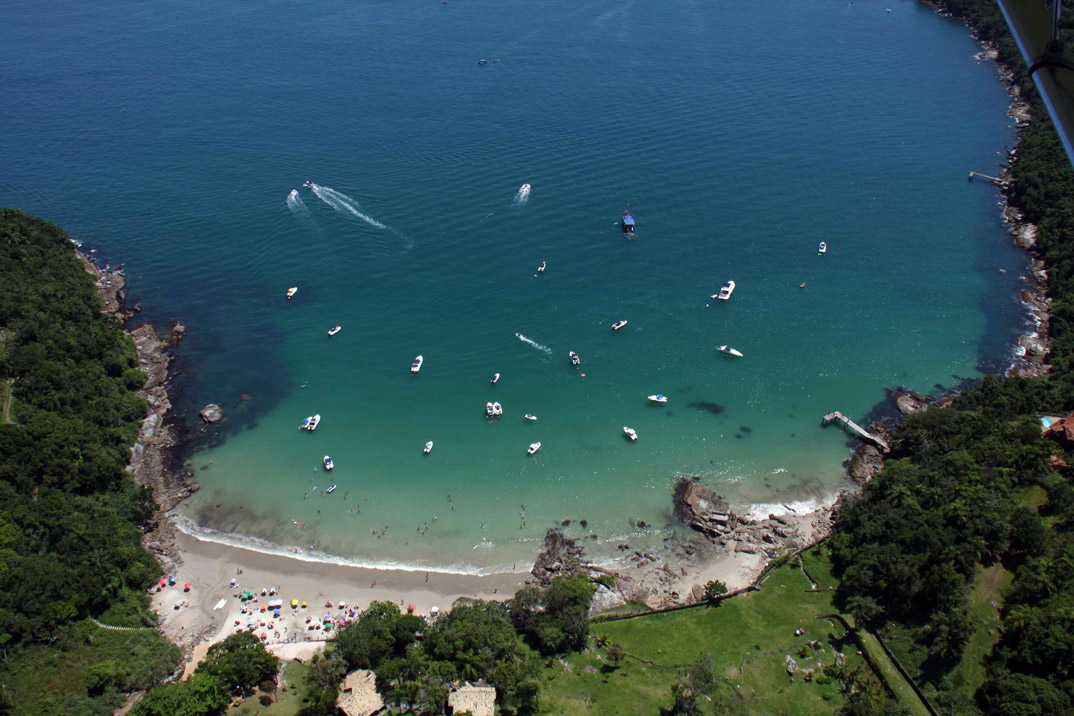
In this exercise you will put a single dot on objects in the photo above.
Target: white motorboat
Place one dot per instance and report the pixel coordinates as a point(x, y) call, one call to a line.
point(314, 422)
point(495, 379)
point(497, 409)
point(822, 249)
point(630, 433)
point(534, 447)
point(489, 411)
point(525, 187)
point(725, 291)
point(428, 447)
point(658, 398)
point(575, 360)
point(328, 464)
point(292, 291)
point(728, 350)
point(330, 489)
point(618, 324)
point(334, 330)
point(542, 267)
point(306, 423)
point(416, 365)
point(527, 416)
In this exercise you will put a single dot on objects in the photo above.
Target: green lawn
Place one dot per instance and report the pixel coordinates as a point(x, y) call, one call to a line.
point(736, 634)
point(988, 588)
point(904, 692)
point(288, 698)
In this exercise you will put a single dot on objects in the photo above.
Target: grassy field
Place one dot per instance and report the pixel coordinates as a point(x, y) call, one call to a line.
point(288, 698)
point(985, 600)
point(748, 637)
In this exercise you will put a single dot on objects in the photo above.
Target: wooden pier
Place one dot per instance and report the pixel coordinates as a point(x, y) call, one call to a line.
point(995, 180)
point(862, 432)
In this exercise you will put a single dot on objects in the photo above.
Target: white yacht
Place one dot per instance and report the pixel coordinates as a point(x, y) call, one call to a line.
point(314, 422)
point(618, 324)
point(495, 379)
point(534, 447)
point(497, 409)
point(575, 360)
point(489, 410)
point(822, 249)
point(658, 398)
point(428, 447)
point(328, 464)
point(728, 350)
point(725, 291)
point(416, 365)
point(630, 433)
point(292, 291)
point(542, 267)
point(528, 416)
point(334, 330)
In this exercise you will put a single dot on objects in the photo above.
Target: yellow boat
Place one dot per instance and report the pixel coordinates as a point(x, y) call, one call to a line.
point(292, 291)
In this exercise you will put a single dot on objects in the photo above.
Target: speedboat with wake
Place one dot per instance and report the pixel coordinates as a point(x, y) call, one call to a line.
point(416, 365)
point(575, 360)
point(428, 447)
point(292, 291)
point(334, 330)
point(495, 379)
point(630, 433)
point(658, 398)
point(534, 447)
point(618, 324)
point(328, 464)
point(497, 409)
point(728, 350)
point(725, 291)
point(822, 249)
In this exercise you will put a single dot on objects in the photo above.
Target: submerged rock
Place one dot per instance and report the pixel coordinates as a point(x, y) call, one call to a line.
point(211, 413)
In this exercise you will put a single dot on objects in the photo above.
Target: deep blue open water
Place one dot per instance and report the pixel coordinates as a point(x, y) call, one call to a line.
point(167, 135)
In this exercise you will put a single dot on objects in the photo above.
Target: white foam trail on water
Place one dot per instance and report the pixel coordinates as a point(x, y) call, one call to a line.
point(761, 510)
point(535, 344)
point(343, 203)
point(523, 195)
point(295, 203)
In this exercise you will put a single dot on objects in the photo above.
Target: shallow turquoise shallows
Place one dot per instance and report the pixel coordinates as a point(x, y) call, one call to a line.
point(169, 134)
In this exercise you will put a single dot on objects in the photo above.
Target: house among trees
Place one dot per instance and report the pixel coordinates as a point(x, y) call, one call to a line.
point(359, 695)
point(1059, 429)
point(477, 700)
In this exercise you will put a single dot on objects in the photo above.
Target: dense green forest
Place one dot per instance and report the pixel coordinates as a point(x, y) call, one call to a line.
point(972, 489)
point(70, 542)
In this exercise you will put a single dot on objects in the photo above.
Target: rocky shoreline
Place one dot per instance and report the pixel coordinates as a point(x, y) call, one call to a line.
point(150, 462)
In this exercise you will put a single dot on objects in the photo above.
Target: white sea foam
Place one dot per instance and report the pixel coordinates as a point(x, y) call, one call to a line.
point(256, 544)
point(535, 344)
point(295, 203)
point(761, 510)
point(343, 204)
point(523, 195)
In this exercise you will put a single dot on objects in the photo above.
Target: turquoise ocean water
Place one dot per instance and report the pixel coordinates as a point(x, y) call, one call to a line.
point(168, 135)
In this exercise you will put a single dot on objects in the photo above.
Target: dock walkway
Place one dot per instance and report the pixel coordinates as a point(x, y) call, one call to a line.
point(862, 432)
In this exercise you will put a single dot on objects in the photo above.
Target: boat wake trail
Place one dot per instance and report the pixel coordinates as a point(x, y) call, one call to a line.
point(295, 203)
point(343, 204)
point(523, 195)
point(534, 343)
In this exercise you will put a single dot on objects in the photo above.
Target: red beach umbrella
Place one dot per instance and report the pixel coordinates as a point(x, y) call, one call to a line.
point(186, 587)
point(410, 609)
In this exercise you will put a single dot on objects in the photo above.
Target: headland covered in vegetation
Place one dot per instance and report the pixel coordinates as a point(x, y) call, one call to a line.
point(943, 590)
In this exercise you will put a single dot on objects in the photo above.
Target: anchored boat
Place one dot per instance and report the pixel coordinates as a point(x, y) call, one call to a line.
point(489, 410)
point(310, 423)
point(618, 324)
point(542, 267)
point(328, 464)
point(728, 350)
point(725, 291)
point(575, 360)
point(527, 416)
point(334, 330)
point(497, 409)
point(822, 249)
point(428, 447)
point(534, 447)
point(628, 222)
point(331, 489)
point(658, 398)
point(292, 291)
point(630, 433)
point(416, 365)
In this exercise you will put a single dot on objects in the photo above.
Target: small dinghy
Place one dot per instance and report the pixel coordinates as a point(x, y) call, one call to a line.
point(575, 360)
point(725, 291)
point(314, 422)
point(334, 330)
point(822, 249)
point(542, 267)
point(292, 291)
point(428, 447)
point(658, 398)
point(728, 350)
point(527, 416)
point(416, 365)
point(497, 409)
point(328, 464)
point(534, 447)
point(331, 489)
point(630, 433)
point(495, 379)
point(489, 411)
point(618, 324)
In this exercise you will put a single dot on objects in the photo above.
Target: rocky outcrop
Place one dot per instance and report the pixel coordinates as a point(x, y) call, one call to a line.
point(560, 557)
point(864, 463)
point(703, 509)
point(908, 402)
